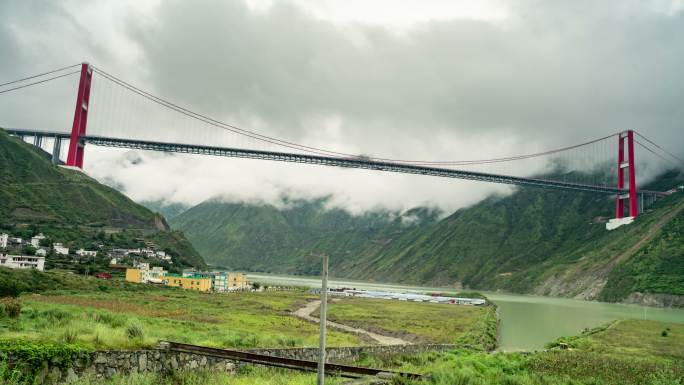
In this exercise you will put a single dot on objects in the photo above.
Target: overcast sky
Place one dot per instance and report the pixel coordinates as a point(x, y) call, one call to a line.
point(438, 80)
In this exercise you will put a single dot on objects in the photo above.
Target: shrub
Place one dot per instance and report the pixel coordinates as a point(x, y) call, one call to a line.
point(56, 316)
point(9, 289)
point(663, 333)
point(69, 336)
point(12, 307)
point(108, 319)
point(135, 331)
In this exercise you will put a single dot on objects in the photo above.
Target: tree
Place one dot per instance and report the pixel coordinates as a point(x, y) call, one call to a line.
point(46, 242)
point(34, 230)
point(28, 250)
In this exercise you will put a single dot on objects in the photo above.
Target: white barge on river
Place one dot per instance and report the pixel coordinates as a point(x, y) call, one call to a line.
point(414, 297)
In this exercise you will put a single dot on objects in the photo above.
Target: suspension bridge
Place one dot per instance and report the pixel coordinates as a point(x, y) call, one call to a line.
point(111, 112)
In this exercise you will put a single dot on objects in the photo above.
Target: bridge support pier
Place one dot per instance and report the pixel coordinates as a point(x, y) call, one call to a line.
point(56, 150)
point(78, 129)
point(38, 140)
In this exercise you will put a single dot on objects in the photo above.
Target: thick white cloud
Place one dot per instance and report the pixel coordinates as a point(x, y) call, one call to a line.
point(441, 81)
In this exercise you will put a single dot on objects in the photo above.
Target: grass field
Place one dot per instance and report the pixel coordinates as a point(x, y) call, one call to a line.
point(119, 315)
point(595, 358)
point(94, 314)
point(636, 338)
point(124, 320)
point(629, 352)
point(419, 322)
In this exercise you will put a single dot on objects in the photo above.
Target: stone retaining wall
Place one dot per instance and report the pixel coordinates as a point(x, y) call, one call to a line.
point(105, 364)
point(108, 363)
point(347, 354)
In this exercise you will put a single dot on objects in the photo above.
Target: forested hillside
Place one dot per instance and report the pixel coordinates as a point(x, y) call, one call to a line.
point(534, 241)
point(267, 239)
point(72, 208)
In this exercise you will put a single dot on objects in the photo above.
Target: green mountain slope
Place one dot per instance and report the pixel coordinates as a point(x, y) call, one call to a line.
point(534, 241)
point(265, 238)
point(70, 207)
point(168, 210)
point(541, 241)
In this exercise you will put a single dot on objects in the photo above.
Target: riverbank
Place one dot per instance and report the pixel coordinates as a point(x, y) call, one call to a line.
point(528, 321)
point(623, 352)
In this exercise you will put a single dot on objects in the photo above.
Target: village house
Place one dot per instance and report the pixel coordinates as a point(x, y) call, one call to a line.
point(144, 274)
point(237, 281)
point(86, 253)
point(58, 248)
point(194, 282)
point(22, 262)
point(35, 241)
point(4, 238)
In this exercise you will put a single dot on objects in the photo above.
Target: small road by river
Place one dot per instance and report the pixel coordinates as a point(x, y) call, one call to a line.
point(305, 314)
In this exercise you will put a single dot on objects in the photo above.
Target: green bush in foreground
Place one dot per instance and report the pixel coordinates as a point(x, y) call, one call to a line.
point(29, 356)
point(545, 368)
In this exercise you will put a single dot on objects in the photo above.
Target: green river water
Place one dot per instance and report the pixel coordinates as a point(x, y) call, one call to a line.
point(527, 322)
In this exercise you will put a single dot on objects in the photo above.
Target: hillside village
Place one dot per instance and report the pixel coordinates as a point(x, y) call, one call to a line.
point(31, 253)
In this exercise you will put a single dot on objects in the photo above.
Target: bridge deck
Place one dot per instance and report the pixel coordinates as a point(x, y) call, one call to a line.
point(332, 161)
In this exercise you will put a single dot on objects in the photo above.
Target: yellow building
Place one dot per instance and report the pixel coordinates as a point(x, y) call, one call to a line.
point(237, 281)
point(143, 274)
point(215, 281)
point(134, 275)
point(193, 282)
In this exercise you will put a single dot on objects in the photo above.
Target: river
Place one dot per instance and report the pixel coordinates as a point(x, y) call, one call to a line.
point(527, 322)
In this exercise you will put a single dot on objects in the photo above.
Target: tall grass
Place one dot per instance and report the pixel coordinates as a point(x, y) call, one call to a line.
point(254, 376)
point(11, 307)
point(135, 331)
point(546, 368)
point(115, 320)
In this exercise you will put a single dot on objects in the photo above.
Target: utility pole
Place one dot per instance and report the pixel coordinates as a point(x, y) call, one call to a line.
point(324, 306)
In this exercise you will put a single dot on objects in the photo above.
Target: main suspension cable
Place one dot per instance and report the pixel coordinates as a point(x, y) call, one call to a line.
point(38, 82)
point(653, 152)
point(662, 149)
point(39, 75)
point(316, 150)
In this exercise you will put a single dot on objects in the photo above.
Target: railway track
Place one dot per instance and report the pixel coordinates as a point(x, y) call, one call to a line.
point(289, 363)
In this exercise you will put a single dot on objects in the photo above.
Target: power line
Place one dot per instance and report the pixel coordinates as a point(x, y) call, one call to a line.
point(320, 151)
point(38, 82)
point(39, 75)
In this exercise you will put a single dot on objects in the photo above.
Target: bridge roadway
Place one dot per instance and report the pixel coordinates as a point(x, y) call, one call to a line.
point(330, 161)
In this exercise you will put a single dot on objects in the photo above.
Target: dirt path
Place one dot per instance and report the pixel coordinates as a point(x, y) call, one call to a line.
point(305, 313)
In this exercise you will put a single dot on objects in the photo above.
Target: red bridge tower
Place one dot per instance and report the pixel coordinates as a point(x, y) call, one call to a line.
point(627, 136)
point(78, 129)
